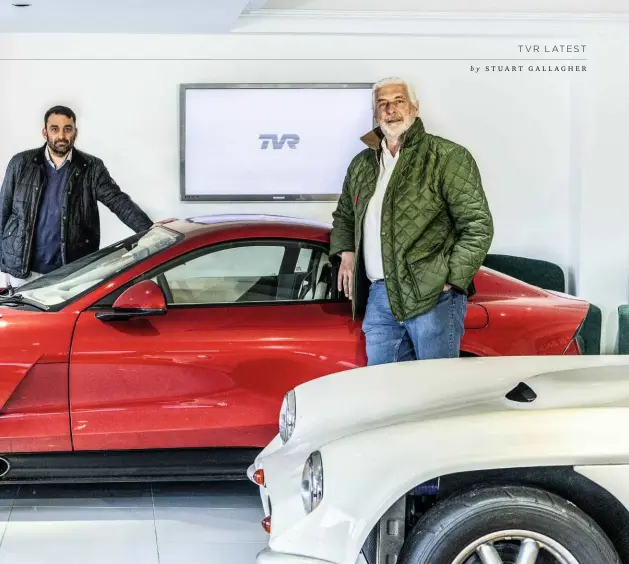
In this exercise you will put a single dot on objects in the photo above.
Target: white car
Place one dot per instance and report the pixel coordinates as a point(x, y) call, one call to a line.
point(519, 460)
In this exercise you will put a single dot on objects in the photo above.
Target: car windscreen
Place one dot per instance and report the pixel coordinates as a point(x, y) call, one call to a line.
point(71, 280)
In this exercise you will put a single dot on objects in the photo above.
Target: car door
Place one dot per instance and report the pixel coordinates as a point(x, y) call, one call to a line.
point(246, 321)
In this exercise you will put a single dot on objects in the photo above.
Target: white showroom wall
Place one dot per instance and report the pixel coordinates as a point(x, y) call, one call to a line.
point(550, 145)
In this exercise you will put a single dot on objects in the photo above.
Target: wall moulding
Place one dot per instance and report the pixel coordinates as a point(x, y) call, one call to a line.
point(427, 23)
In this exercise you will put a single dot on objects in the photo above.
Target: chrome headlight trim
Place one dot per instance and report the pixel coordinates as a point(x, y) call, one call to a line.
point(288, 416)
point(312, 482)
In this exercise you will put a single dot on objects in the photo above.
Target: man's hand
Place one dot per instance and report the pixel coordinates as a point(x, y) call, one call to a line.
point(346, 273)
point(164, 221)
point(447, 288)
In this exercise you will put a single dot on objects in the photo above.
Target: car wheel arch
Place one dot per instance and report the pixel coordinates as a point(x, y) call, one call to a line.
point(564, 481)
point(497, 519)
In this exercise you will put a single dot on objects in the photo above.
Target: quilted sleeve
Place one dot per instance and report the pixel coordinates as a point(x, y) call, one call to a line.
point(6, 193)
point(469, 210)
point(110, 194)
point(342, 235)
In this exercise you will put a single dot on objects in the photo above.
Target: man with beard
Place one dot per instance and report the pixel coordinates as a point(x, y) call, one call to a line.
point(49, 203)
point(412, 228)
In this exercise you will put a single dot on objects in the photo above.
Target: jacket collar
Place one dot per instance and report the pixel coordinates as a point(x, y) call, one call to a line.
point(413, 135)
point(67, 160)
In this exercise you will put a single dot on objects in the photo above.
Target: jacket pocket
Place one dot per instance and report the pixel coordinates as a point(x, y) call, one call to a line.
point(10, 227)
point(416, 254)
point(428, 272)
point(13, 245)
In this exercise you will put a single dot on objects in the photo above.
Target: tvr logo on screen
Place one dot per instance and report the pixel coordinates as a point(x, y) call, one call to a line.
point(288, 139)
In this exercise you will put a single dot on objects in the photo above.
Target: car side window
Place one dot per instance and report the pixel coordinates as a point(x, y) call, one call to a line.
point(250, 273)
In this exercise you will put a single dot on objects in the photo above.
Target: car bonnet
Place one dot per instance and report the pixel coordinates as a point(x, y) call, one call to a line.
point(357, 400)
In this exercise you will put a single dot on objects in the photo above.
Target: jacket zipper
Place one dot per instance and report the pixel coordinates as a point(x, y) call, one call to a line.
point(66, 192)
point(381, 229)
point(27, 258)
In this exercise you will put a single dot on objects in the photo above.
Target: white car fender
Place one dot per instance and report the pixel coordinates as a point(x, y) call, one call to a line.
point(367, 472)
point(355, 400)
point(614, 478)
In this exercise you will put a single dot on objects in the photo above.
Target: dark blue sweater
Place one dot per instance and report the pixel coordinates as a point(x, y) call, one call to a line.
point(47, 240)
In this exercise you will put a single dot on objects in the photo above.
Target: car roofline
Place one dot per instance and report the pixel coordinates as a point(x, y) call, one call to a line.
point(214, 219)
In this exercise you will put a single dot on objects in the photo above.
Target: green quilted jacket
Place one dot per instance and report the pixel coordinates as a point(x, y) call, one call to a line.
point(436, 223)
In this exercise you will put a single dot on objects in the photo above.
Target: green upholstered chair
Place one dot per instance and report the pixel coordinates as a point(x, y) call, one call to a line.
point(623, 329)
point(590, 333)
point(540, 273)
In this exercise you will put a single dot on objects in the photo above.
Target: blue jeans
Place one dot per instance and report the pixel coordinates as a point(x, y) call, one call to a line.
point(434, 334)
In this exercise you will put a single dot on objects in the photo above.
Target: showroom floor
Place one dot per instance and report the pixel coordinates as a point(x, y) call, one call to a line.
point(139, 524)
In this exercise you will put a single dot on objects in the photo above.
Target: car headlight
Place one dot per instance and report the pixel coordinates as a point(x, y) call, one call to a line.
point(312, 482)
point(288, 416)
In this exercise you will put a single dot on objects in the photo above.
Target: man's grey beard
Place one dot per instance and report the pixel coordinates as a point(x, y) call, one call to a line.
point(399, 131)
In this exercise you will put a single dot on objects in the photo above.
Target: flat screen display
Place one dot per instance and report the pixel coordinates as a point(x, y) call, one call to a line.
point(270, 142)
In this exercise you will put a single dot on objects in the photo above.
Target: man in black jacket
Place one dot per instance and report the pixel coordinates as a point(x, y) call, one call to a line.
point(49, 203)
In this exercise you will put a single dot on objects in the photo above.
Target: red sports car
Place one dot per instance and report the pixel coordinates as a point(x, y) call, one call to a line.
point(167, 355)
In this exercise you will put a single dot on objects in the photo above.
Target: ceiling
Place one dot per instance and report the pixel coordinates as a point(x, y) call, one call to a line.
point(123, 16)
point(220, 16)
point(419, 6)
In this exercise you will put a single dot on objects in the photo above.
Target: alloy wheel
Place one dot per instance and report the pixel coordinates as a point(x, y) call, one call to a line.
point(515, 547)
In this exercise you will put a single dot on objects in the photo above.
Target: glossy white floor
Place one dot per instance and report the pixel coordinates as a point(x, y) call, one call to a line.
point(139, 524)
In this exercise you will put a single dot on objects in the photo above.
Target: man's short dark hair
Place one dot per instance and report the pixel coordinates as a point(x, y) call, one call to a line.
point(59, 110)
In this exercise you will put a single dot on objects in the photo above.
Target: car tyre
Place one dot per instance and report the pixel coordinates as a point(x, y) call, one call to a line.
point(450, 529)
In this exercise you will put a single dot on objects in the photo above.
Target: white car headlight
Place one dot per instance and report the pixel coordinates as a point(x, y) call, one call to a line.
point(288, 416)
point(312, 482)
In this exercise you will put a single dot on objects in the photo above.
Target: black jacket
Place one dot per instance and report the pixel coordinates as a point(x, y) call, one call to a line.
point(88, 183)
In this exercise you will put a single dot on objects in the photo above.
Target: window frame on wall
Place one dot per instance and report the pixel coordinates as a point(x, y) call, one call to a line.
point(299, 244)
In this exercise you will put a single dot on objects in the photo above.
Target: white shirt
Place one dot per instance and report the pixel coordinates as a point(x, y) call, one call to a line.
point(52, 163)
point(372, 246)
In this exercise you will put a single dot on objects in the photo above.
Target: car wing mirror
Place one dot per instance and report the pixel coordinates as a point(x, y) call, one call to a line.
point(144, 299)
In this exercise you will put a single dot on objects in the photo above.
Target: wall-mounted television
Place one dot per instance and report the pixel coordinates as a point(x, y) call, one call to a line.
point(270, 142)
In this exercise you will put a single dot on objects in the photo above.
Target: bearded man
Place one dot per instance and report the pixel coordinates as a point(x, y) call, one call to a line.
point(412, 228)
point(49, 203)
